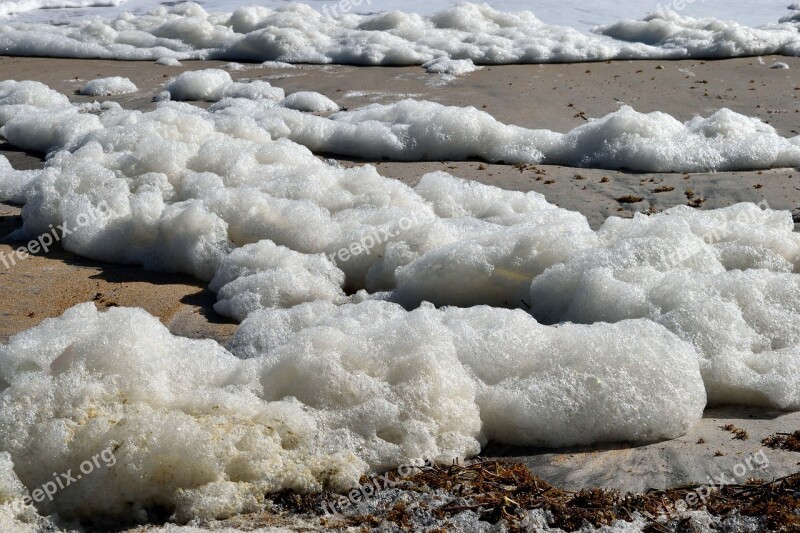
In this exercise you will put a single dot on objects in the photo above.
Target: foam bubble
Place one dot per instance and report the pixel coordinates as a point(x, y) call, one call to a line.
point(169, 62)
point(263, 275)
point(723, 280)
point(16, 514)
point(109, 86)
point(310, 101)
point(214, 84)
point(652, 142)
point(706, 37)
point(445, 65)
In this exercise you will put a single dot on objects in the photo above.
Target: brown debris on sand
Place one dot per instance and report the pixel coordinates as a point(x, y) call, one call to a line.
point(783, 441)
point(738, 433)
point(498, 491)
point(629, 199)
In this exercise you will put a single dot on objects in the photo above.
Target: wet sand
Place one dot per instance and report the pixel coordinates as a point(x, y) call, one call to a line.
point(552, 96)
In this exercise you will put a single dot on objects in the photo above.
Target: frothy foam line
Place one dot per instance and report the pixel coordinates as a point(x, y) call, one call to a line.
point(452, 40)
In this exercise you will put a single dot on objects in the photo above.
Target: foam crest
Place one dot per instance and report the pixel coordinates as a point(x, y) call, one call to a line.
point(310, 101)
point(413, 130)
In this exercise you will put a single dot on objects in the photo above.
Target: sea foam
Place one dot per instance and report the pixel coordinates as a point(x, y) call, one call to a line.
point(315, 397)
point(448, 41)
point(215, 84)
point(109, 86)
point(412, 130)
point(342, 365)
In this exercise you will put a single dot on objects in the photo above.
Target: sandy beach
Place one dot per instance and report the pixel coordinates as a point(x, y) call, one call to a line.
point(533, 96)
point(556, 97)
point(386, 280)
point(559, 97)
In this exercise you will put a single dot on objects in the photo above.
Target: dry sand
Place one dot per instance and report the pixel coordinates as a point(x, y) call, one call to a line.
point(557, 97)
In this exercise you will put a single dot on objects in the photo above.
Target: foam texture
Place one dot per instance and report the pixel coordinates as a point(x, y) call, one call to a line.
point(109, 86)
point(315, 397)
point(297, 33)
point(214, 84)
point(342, 365)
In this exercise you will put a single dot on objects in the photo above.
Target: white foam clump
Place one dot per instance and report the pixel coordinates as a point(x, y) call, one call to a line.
point(168, 62)
point(220, 194)
point(263, 275)
point(495, 265)
point(109, 86)
point(214, 84)
point(401, 131)
point(15, 184)
point(297, 33)
point(188, 422)
point(34, 117)
point(96, 107)
point(706, 37)
point(277, 64)
point(445, 65)
point(44, 132)
point(310, 101)
point(779, 66)
point(323, 395)
point(652, 142)
point(512, 394)
point(724, 280)
point(19, 97)
point(624, 139)
point(187, 187)
point(657, 142)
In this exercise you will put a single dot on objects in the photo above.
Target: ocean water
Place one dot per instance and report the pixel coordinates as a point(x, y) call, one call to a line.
point(579, 14)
